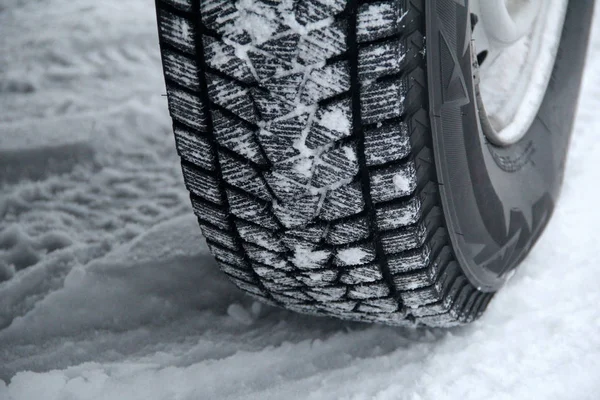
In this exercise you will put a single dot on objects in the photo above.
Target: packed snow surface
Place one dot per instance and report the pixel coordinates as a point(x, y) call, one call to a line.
point(107, 290)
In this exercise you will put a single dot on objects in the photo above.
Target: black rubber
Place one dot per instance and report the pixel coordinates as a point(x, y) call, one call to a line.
point(498, 200)
point(305, 133)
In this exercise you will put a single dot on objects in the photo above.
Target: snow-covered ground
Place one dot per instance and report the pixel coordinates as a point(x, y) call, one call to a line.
point(108, 291)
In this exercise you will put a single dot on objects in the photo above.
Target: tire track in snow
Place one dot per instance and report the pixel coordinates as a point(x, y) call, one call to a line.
point(87, 156)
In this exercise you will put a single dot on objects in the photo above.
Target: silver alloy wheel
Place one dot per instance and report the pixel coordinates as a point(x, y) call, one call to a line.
point(516, 42)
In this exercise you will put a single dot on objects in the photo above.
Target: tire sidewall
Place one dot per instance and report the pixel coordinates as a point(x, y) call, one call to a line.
point(497, 200)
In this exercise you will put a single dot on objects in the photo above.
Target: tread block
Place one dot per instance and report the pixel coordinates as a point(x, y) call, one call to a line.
point(243, 176)
point(291, 297)
point(284, 86)
point(396, 319)
point(326, 81)
point(182, 69)
point(361, 274)
point(283, 47)
point(177, 31)
point(386, 144)
point(369, 291)
point(234, 135)
point(414, 45)
point(383, 305)
point(202, 184)
point(227, 256)
point(422, 301)
point(425, 165)
point(409, 261)
point(469, 310)
point(327, 293)
point(278, 286)
point(403, 239)
point(244, 207)
point(381, 101)
point(397, 215)
point(284, 187)
point(236, 271)
point(378, 20)
point(258, 265)
point(312, 233)
point(183, 5)
point(381, 59)
point(416, 280)
point(299, 169)
point(348, 231)
point(194, 147)
point(266, 257)
point(224, 238)
point(307, 258)
point(482, 304)
point(276, 275)
point(221, 56)
point(297, 213)
point(186, 108)
point(218, 14)
point(231, 96)
point(352, 315)
point(440, 295)
point(335, 166)
point(433, 293)
point(323, 43)
point(340, 308)
point(461, 300)
point(451, 315)
point(293, 242)
point(236, 21)
point(393, 182)
point(343, 202)
point(318, 278)
point(332, 123)
point(278, 138)
point(259, 236)
point(210, 213)
point(311, 11)
point(446, 320)
point(267, 66)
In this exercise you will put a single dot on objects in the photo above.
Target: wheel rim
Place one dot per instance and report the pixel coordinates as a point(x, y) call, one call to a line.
point(515, 42)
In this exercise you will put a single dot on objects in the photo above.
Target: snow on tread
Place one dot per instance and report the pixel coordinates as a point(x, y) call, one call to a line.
point(193, 147)
point(177, 31)
point(308, 201)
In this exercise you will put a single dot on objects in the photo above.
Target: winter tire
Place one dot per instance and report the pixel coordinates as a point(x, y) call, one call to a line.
point(340, 164)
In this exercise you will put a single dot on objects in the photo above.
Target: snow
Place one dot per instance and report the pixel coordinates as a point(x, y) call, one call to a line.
point(309, 258)
point(352, 256)
point(335, 120)
point(256, 20)
point(402, 182)
point(238, 313)
point(113, 295)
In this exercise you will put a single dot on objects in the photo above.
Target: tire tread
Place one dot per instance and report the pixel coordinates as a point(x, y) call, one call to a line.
point(308, 156)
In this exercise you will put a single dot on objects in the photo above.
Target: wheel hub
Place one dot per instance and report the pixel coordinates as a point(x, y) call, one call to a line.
point(516, 43)
point(506, 21)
